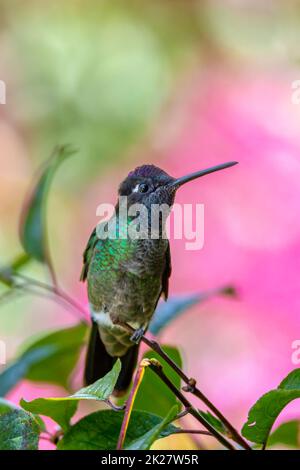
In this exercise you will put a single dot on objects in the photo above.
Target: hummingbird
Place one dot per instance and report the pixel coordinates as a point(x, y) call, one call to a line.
point(126, 276)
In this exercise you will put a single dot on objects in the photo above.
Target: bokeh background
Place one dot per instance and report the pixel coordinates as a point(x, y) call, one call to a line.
point(184, 85)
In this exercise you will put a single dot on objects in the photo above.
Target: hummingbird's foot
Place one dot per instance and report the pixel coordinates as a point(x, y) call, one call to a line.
point(137, 335)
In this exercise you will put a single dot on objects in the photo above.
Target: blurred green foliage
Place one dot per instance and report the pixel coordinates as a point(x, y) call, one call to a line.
point(96, 76)
point(33, 232)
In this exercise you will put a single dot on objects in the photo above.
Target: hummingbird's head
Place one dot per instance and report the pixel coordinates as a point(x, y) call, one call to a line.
point(148, 184)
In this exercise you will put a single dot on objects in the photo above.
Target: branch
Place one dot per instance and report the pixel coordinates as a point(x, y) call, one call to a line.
point(157, 368)
point(52, 289)
point(233, 433)
point(57, 292)
point(191, 387)
point(129, 404)
point(113, 406)
point(192, 431)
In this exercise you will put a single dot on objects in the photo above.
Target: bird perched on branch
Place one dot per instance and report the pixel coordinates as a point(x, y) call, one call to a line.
point(127, 274)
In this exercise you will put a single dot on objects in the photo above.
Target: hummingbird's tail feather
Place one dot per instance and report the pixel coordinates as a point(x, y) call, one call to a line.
point(99, 362)
point(128, 361)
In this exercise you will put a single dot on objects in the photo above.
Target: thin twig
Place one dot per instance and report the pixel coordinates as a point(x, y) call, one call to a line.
point(156, 347)
point(57, 291)
point(191, 383)
point(51, 270)
point(113, 406)
point(192, 431)
point(129, 404)
point(9, 295)
point(191, 387)
point(234, 434)
point(27, 288)
point(157, 368)
point(182, 414)
point(46, 438)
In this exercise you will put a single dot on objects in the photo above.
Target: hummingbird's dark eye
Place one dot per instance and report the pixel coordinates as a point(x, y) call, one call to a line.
point(143, 188)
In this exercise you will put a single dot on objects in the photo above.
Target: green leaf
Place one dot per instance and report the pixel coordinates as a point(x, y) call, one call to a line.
point(145, 441)
point(33, 227)
point(215, 422)
point(100, 430)
point(102, 388)
point(177, 305)
point(62, 409)
point(18, 370)
point(6, 272)
point(18, 431)
point(5, 277)
point(40, 423)
point(63, 352)
point(152, 386)
point(51, 359)
point(6, 406)
point(287, 434)
point(266, 410)
point(19, 262)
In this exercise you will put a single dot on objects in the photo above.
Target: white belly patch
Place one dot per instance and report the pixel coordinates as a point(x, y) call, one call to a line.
point(103, 319)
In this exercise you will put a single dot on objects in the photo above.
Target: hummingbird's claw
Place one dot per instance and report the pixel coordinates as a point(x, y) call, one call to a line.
point(137, 335)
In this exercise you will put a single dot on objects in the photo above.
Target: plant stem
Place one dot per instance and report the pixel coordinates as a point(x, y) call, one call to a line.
point(181, 414)
point(113, 406)
point(192, 431)
point(157, 368)
point(191, 387)
point(22, 289)
point(190, 383)
point(232, 431)
point(55, 291)
point(46, 438)
point(129, 404)
point(51, 270)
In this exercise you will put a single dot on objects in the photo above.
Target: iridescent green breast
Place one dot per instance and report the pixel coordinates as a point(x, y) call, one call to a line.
point(125, 279)
point(124, 276)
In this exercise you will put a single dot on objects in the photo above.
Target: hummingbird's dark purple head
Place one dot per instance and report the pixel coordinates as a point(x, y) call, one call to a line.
point(148, 171)
point(148, 184)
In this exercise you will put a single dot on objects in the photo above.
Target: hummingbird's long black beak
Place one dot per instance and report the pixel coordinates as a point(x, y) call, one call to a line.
point(192, 176)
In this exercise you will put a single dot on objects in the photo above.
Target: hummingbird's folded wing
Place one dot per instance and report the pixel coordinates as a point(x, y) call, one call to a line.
point(166, 274)
point(87, 255)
